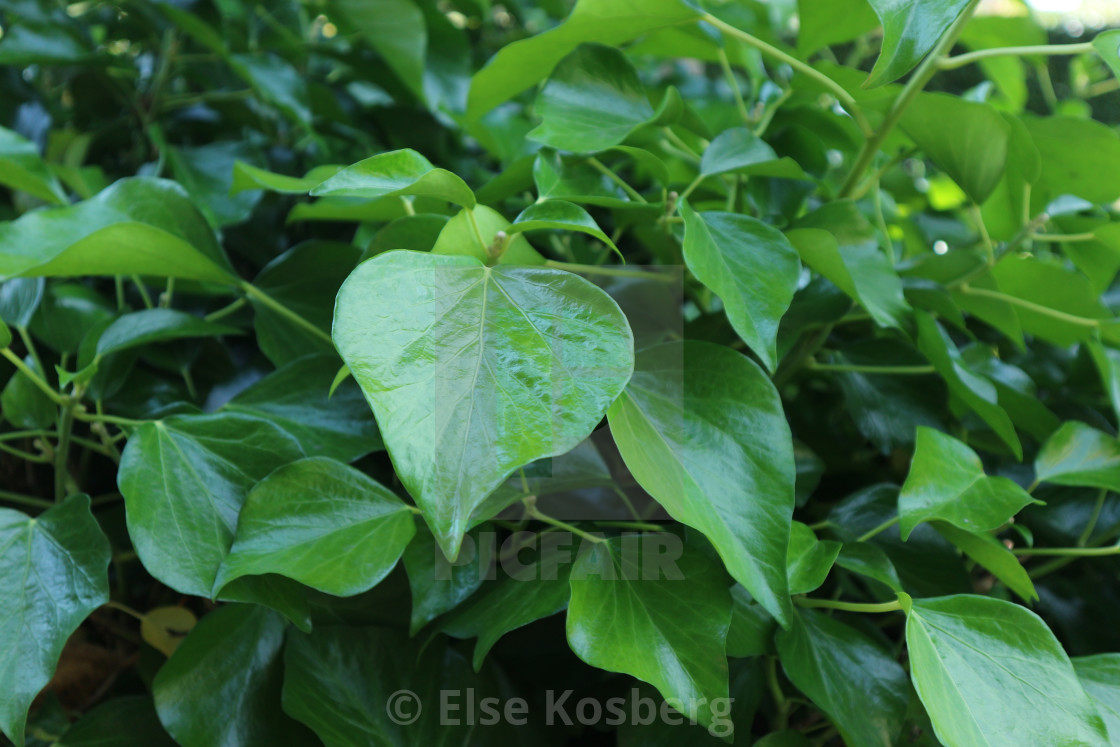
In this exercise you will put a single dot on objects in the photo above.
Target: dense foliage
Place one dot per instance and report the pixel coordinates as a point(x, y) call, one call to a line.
point(757, 359)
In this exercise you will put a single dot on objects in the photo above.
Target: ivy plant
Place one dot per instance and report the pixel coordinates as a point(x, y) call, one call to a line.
point(681, 372)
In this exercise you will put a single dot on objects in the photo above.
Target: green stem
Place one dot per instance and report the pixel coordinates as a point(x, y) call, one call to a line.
point(14, 435)
point(952, 63)
point(62, 450)
point(1089, 527)
point(640, 526)
point(691, 187)
point(878, 530)
point(1031, 306)
point(24, 500)
point(1069, 552)
point(608, 271)
point(841, 94)
point(24, 455)
point(768, 114)
point(1064, 237)
point(30, 345)
point(812, 365)
point(678, 142)
point(880, 218)
point(532, 511)
point(168, 294)
point(284, 311)
point(780, 699)
point(609, 173)
point(144, 295)
point(225, 311)
point(477, 232)
point(24, 369)
point(125, 609)
point(910, 91)
point(833, 604)
point(733, 84)
point(101, 418)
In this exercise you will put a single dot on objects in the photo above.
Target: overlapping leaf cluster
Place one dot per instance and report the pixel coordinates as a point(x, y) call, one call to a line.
point(321, 321)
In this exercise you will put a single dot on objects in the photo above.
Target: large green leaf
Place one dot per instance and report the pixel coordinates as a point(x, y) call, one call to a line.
point(398, 172)
point(137, 226)
point(990, 672)
point(1081, 456)
point(437, 585)
point(848, 675)
point(1107, 44)
point(1079, 157)
point(592, 101)
point(519, 65)
point(21, 168)
point(222, 685)
point(472, 231)
point(751, 266)
point(702, 430)
point(248, 177)
point(1100, 676)
point(973, 152)
point(947, 482)
point(622, 620)
point(184, 480)
point(297, 398)
point(53, 574)
point(156, 325)
point(974, 389)
point(910, 30)
point(558, 214)
point(474, 371)
point(530, 592)
point(991, 553)
point(321, 523)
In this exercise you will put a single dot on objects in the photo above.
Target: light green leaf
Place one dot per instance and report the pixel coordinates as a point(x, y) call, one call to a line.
point(429, 339)
point(738, 149)
point(973, 152)
point(702, 430)
point(248, 177)
point(321, 523)
point(947, 482)
point(990, 672)
point(156, 325)
point(910, 30)
point(1100, 676)
point(561, 215)
point(519, 65)
point(184, 480)
point(750, 266)
point(1080, 456)
point(396, 29)
point(869, 560)
point(137, 226)
point(1080, 157)
point(1107, 360)
point(622, 620)
point(860, 270)
point(529, 592)
point(593, 100)
point(810, 559)
point(417, 232)
point(828, 22)
point(397, 172)
point(848, 675)
point(5, 335)
point(973, 389)
point(21, 168)
point(53, 574)
point(993, 555)
point(459, 236)
point(222, 684)
point(1107, 44)
point(297, 398)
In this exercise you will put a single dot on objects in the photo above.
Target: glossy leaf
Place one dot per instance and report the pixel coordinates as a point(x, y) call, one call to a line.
point(910, 30)
point(702, 430)
point(1100, 676)
point(869, 560)
point(321, 523)
point(156, 325)
point(435, 367)
point(973, 152)
point(247, 176)
point(184, 480)
point(137, 226)
point(298, 398)
point(851, 677)
point(53, 574)
point(1079, 455)
point(459, 236)
point(623, 621)
point(396, 173)
point(991, 672)
point(558, 214)
point(437, 585)
point(947, 482)
point(752, 628)
point(523, 63)
point(810, 559)
point(751, 266)
point(21, 168)
point(592, 101)
point(222, 686)
point(741, 151)
point(993, 555)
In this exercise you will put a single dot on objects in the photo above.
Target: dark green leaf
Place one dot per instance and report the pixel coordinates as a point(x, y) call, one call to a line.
point(396, 29)
point(156, 325)
point(102, 726)
point(740, 150)
point(438, 585)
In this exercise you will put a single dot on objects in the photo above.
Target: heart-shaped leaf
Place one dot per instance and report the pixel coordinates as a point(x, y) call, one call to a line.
point(53, 574)
point(398, 172)
point(751, 266)
point(738, 149)
point(562, 215)
point(810, 559)
point(622, 620)
point(947, 482)
point(474, 371)
point(321, 523)
point(701, 428)
point(910, 30)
